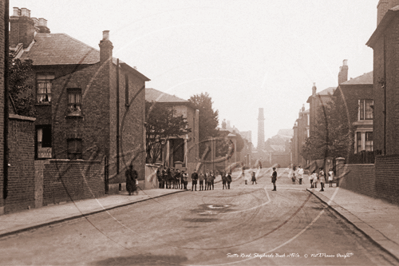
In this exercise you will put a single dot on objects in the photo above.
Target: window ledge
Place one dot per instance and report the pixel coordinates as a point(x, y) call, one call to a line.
point(43, 103)
point(74, 116)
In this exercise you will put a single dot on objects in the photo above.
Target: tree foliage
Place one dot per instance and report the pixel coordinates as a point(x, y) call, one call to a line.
point(208, 119)
point(332, 135)
point(21, 81)
point(162, 123)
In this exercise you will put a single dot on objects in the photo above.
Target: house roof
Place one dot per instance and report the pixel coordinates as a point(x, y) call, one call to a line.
point(384, 23)
point(366, 78)
point(327, 91)
point(60, 49)
point(153, 95)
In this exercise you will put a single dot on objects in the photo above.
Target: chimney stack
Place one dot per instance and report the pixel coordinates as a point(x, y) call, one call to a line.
point(343, 72)
point(383, 7)
point(314, 89)
point(105, 47)
point(22, 28)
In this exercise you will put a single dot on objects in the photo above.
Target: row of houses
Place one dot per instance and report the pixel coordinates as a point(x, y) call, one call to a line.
point(371, 105)
point(89, 123)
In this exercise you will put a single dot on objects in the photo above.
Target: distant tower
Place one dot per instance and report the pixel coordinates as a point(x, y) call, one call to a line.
point(261, 130)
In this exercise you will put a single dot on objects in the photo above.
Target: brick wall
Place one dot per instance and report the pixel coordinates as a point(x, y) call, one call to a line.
point(2, 29)
point(66, 180)
point(21, 173)
point(359, 178)
point(387, 46)
point(387, 178)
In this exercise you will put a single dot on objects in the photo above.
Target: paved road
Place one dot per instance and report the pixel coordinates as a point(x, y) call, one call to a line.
point(218, 227)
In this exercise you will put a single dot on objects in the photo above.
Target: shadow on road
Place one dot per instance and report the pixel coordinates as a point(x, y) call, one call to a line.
point(143, 259)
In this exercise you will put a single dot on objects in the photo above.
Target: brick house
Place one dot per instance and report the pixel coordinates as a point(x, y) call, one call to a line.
point(90, 108)
point(357, 93)
point(182, 150)
point(301, 132)
point(385, 43)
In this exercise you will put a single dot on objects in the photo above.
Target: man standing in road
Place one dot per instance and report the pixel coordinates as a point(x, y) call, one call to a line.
point(194, 178)
point(228, 180)
point(300, 174)
point(274, 178)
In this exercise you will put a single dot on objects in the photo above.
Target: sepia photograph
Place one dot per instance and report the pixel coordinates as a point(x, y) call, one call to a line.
point(199, 132)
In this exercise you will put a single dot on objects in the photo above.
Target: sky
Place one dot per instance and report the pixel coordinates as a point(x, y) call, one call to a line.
point(246, 54)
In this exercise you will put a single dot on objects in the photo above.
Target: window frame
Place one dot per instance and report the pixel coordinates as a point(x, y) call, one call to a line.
point(46, 131)
point(47, 79)
point(365, 109)
point(77, 151)
point(74, 107)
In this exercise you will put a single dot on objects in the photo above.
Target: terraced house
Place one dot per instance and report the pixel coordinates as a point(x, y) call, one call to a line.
point(90, 109)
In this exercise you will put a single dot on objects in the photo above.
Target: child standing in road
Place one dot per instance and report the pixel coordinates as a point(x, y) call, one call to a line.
point(253, 178)
point(322, 179)
point(330, 177)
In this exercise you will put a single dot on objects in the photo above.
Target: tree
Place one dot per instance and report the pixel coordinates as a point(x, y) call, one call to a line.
point(208, 119)
point(332, 135)
point(21, 80)
point(161, 124)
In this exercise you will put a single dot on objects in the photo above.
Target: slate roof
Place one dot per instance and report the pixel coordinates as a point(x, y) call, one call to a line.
point(384, 23)
point(327, 91)
point(60, 49)
point(159, 96)
point(364, 79)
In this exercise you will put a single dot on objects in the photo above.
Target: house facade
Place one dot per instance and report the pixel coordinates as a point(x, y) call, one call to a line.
point(181, 151)
point(357, 95)
point(90, 106)
point(385, 44)
point(301, 131)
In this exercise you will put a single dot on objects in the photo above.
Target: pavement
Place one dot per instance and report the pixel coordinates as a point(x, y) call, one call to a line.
point(377, 219)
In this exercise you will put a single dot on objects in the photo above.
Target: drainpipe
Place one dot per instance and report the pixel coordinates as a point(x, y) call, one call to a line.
point(5, 133)
point(117, 120)
point(385, 98)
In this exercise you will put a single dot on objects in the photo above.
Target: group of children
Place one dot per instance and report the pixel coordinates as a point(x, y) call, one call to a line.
point(207, 180)
point(297, 173)
point(171, 178)
point(319, 177)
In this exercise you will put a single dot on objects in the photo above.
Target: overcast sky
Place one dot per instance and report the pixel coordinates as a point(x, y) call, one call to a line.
point(247, 54)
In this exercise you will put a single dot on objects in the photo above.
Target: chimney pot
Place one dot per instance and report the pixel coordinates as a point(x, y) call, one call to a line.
point(25, 12)
point(345, 63)
point(17, 12)
point(43, 22)
point(106, 35)
point(35, 21)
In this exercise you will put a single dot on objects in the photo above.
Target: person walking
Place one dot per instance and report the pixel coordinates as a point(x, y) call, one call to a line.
point(185, 179)
point(322, 179)
point(164, 179)
point(213, 180)
point(330, 177)
point(228, 180)
point(293, 177)
point(224, 180)
point(253, 179)
point(178, 179)
point(274, 179)
point(159, 178)
point(194, 178)
point(201, 181)
point(313, 179)
point(169, 178)
point(130, 182)
point(300, 174)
